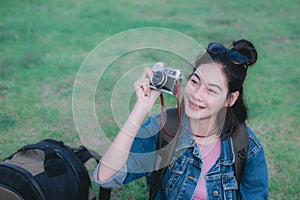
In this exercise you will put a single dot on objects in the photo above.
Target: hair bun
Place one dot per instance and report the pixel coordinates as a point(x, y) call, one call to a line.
point(246, 48)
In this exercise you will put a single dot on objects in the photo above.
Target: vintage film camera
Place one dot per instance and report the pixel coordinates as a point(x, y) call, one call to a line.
point(165, 79)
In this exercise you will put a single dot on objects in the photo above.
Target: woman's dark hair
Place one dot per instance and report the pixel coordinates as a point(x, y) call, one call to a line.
point(235, 75)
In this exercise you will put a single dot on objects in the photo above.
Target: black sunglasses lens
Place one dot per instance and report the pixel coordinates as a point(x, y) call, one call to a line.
point(215, 48)
point(237, 58)
point(233, 56)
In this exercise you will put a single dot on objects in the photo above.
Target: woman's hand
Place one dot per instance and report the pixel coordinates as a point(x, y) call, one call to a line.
point(145, 95)
point(117, 154)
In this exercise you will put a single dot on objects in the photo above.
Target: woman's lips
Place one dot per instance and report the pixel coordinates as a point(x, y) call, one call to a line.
point(195, 106)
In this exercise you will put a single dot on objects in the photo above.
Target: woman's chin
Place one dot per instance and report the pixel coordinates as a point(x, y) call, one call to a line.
point(193, 114)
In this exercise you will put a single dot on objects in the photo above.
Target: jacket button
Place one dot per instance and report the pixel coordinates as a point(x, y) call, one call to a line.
point(215, 193)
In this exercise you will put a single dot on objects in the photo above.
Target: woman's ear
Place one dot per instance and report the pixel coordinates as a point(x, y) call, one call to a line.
point(232, 98)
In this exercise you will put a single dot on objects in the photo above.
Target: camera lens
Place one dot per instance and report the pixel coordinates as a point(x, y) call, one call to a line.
point(158, 79)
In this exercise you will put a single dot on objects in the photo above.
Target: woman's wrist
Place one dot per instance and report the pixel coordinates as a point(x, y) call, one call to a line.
point(139, 112)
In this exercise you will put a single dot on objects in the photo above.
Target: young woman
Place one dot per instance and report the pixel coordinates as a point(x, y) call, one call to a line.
point(212, 108)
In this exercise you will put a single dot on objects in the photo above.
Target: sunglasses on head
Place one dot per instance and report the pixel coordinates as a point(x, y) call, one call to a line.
point(233, 56)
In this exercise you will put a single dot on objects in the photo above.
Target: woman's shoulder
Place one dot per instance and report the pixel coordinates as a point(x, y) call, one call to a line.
point(150, 127)
point(254, 143)
point(153, 119)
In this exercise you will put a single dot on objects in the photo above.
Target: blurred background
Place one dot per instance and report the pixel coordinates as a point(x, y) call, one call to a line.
point(43, 44)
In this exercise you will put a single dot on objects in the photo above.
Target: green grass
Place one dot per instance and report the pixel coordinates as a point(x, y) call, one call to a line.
point(43, 43)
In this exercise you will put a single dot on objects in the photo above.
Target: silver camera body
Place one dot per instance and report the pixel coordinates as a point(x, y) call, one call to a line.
point(165, 79)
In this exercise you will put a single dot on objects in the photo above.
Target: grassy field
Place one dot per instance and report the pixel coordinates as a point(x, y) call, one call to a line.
point(44, 43)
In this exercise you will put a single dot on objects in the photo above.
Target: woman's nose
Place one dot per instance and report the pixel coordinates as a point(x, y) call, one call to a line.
point(198, 93)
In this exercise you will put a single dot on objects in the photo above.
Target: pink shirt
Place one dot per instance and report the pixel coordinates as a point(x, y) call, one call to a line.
point(210, 154)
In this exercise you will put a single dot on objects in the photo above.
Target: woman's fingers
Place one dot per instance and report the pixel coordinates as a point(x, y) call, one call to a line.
point(142, 85)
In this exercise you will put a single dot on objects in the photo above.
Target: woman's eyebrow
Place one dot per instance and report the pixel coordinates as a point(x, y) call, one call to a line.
point(196, 75)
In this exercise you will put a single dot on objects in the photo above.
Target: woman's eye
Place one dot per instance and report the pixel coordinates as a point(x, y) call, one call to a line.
point(212, 91)
point(194, 81)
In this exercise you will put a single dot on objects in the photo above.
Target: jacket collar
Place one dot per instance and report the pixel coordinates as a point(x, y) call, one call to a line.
point(187, 140)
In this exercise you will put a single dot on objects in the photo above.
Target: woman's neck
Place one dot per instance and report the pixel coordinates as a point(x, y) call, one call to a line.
point(206, 131)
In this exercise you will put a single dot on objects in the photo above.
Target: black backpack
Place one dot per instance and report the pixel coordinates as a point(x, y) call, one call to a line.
point(47, 170)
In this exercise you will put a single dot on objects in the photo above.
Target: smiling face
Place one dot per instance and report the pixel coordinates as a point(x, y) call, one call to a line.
point(206, 92)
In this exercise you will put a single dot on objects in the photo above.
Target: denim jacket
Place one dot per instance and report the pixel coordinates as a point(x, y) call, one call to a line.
point(182, 174)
